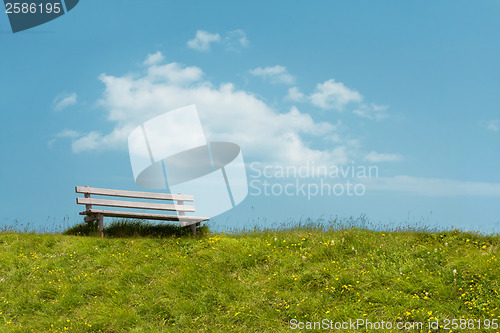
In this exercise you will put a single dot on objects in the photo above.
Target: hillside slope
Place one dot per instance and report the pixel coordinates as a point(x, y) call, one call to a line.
point(267, 281)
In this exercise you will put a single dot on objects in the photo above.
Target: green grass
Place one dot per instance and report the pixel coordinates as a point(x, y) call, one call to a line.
point(145, 278)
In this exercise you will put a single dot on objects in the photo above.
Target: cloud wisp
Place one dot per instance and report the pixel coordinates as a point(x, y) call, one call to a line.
point(276, 74)
point(332, 95)
point(374, 157)
point(63, 101)
point(373, 111)
point(432, 187)
point(202, 40)
point(336, 96)
point(493, 125)
point(154, 58)
point(234, 40)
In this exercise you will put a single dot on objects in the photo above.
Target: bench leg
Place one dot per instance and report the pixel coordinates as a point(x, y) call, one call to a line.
point(90, 218)
point(100, 224)
point(193, 229)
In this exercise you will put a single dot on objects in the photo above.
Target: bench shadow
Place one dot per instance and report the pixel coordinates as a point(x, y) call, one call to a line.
point(127, 228)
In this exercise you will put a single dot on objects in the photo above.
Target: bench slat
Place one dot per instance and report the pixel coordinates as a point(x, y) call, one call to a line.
point(133, 194)
point(184, 220)
point(130, 204)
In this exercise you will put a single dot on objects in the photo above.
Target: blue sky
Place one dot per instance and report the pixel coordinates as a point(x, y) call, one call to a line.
point(409, 87)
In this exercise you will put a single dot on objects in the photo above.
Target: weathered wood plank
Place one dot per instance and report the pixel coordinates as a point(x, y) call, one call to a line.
point(185, 220)
point(133, 194)
point(131, 204)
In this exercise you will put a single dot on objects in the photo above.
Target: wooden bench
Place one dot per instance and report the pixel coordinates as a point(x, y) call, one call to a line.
point(93, 214)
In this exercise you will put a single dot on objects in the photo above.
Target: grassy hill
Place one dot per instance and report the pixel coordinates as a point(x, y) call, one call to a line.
point(258, 281)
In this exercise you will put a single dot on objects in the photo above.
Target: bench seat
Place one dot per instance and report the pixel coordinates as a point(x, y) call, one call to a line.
point(184, 220)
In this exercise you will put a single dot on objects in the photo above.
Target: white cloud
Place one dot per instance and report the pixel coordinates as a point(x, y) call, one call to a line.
point(97, 141)
point(432, 186)
point(236, 39)
point(331, 95)
point(154, 59)
point(372, 111)
point(276, 74)
point(493, 125)
point(374, 157)
point(64, 100)
point(227, 114)
point(294, 94)
point(334, 95)
point(91, 141)
point(202, 40)
point(67, 133)
point(174, 73)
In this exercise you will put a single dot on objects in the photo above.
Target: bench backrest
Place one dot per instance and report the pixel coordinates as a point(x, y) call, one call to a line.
point(89, 201)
